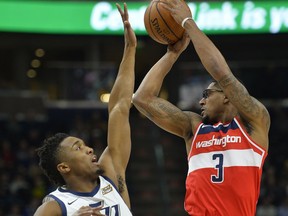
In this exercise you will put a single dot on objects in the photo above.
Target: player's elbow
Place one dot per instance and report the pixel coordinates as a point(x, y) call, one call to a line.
point(139, 99)
point(143, 103)
point(122, 106)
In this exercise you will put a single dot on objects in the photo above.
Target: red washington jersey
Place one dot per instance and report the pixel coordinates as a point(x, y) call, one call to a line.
point(225, 168)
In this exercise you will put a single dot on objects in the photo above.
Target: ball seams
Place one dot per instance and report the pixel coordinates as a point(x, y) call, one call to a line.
point(159, 11)
point(160, 24)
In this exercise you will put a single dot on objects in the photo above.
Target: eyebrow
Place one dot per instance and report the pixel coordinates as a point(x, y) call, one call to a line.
point(75, 143)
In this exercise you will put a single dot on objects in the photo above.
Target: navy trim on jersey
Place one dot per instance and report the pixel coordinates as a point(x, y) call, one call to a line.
point(204, 129)
point(95, 205)
point(83, 194)
point(89, 194)
point(62, 205)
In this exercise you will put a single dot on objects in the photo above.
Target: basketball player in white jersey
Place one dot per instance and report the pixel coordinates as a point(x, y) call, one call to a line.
point(88, 185)
point(226, 143)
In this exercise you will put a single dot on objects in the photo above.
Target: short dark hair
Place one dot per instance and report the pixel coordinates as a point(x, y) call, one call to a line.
point(48, 154)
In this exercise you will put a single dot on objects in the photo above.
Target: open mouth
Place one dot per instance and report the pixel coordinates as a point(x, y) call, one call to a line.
point(94, 159)
point(202, 112)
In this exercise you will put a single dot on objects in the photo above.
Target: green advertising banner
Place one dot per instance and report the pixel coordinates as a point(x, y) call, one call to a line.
point(62, 17)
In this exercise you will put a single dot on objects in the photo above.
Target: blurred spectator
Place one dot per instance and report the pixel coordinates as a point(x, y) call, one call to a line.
point(7, 154)
point(283, 208)
point(267, 208)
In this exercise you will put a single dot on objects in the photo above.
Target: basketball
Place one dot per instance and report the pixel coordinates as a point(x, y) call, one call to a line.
point(160, 25)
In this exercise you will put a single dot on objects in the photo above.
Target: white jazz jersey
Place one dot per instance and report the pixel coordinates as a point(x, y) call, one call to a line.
point(104, 194)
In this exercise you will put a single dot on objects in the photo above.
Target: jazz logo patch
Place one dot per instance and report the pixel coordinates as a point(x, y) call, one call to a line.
point(106, 189)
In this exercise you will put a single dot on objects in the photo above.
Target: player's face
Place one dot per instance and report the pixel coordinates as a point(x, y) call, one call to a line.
point(212, 104)
point(80, 158)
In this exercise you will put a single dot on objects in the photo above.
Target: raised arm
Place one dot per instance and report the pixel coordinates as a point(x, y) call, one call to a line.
point(116, 156)
point(161, 112)
point(119, 141)
point(250, 110)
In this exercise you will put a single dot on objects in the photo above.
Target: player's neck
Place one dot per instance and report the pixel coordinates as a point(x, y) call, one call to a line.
point(81, 185)
point(228, 115)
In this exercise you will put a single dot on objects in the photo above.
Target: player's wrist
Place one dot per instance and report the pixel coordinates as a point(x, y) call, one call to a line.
point(173, 55)
point(185, 21)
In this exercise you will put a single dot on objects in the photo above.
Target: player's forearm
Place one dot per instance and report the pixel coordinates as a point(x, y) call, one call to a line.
point(152, 83)
point(124, 85)
point(210, 56)
point(126, 77)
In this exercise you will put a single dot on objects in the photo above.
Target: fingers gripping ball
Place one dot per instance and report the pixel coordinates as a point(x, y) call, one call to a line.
point(160, 25)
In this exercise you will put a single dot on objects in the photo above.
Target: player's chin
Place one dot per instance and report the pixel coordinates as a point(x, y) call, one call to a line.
point(204, 116)
point(100, 171)
point(205, 119)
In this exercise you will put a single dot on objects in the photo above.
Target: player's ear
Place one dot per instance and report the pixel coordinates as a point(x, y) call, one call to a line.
point(63, 167)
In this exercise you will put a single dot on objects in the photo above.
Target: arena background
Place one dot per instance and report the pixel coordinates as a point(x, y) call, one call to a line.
point(51, 83)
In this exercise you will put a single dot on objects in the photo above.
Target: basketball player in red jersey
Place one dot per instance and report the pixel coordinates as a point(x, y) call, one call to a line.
point(227, 143)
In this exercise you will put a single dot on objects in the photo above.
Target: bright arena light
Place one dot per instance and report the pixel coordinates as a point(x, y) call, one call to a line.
point(105, 97)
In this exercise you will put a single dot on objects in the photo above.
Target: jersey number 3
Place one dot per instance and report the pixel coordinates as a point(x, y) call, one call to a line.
point(219, 177)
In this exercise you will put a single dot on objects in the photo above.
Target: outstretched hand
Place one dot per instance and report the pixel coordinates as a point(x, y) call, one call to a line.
point(130, 37)
point(178, 10)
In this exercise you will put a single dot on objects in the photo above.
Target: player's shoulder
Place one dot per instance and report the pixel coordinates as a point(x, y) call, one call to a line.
point(195, 119)
point(49, 208)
